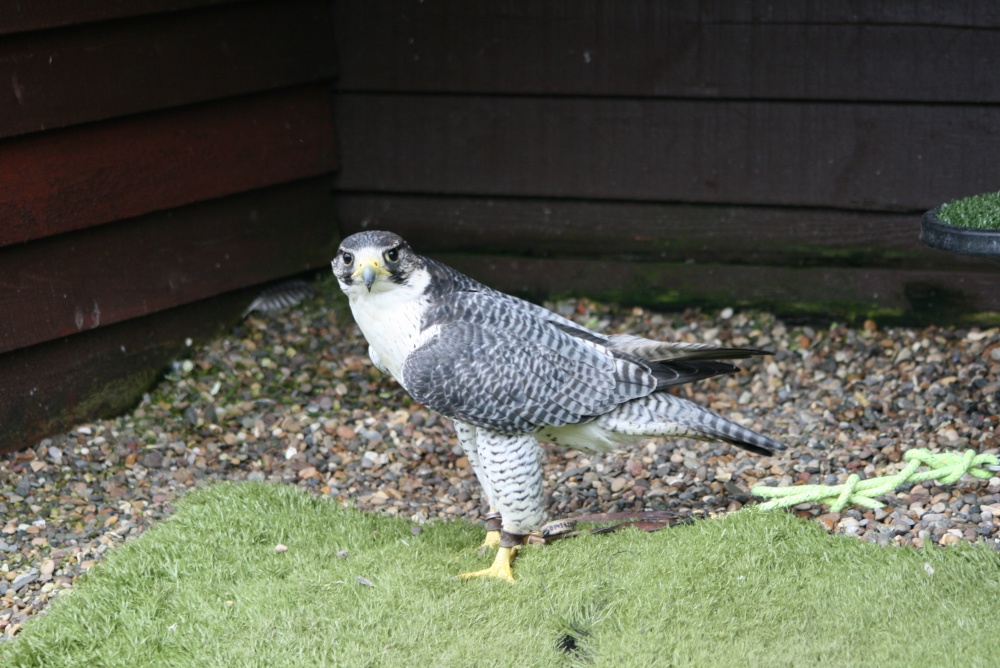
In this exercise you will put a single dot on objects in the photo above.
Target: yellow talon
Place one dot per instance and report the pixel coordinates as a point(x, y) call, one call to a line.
point(501, 566)
point(492, 539)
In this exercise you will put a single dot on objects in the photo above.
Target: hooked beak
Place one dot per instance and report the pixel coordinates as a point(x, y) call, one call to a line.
point(369, 270)
point(368, 275)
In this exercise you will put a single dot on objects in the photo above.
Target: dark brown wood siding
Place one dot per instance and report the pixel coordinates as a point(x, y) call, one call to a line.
point(156, 159)
point(675, 153)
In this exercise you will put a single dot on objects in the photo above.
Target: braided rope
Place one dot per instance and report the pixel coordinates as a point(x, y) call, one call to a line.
point(945, 467)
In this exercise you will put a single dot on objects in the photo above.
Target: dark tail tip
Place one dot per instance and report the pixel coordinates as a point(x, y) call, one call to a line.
point(756, 443)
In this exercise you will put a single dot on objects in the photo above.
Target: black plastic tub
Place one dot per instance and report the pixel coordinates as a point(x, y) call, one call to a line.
point(964, 240)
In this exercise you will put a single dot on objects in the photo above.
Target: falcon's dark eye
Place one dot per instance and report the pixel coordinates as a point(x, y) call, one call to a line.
point(392, 254)
point(348, 258)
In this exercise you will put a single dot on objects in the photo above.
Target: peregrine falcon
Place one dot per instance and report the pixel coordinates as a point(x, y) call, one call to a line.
point(510, 374)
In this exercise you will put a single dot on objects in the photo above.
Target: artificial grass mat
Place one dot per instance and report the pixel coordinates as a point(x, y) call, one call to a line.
point(978, 211)
point(207, 588)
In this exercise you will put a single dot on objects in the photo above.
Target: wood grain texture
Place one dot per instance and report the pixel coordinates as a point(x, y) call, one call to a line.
point(881, 157)
point(79, 177)
point(50, 387)
point(649, 48)
point(765, 12)
point(912, 296)
point(37, 14)
point(659, 232)
point(66, 77)
point(107, 274)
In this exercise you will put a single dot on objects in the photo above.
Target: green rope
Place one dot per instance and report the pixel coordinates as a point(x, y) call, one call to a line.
point(945, 467)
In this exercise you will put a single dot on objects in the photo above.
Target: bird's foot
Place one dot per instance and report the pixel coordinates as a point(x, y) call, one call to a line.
point(492, 540)
point(500, 568)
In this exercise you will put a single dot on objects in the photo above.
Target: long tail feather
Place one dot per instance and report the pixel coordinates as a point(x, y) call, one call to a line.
point(663, 414)
point(666, 351)
point(679, 372)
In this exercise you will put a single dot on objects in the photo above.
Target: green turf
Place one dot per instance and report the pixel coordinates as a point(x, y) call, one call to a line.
point(979, 211)
point(752, 589)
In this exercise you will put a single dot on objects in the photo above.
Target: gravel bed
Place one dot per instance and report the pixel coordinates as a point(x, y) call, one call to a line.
point(292, 397)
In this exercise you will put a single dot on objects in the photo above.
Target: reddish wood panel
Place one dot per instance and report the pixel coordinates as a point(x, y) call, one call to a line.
point(786, 50)
point(916, 295)
point(38, 14)
point(65, 77)
point(76, 178)
point(92, 278)
point(649, 231)
point(50, 387)
point(856, 156)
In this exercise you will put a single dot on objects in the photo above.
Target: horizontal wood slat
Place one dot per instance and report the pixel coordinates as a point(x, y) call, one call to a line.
point(65, 77)
point(649, 232)
point(855, 156)
point(786, 50)
point(38, 14)
point(914, 12)
point(88, 279)
point(50, 387)
point(79, 177)
point(915, 295)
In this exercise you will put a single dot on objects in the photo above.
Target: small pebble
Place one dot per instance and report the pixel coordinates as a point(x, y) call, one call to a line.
point(152, 459)
point(23, 487)
point(23, 580)
point(291, 397)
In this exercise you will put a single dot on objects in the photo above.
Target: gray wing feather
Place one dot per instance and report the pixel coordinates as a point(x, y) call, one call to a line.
point(497, 365)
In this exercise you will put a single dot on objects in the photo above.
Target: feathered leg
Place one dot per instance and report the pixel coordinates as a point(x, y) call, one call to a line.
point(512, 464)
point(467, 439)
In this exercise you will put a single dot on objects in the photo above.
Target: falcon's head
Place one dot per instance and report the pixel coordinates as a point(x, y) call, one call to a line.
point(374, 261)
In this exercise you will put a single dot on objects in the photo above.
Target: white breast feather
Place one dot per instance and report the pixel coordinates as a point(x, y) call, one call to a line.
point(389, 316)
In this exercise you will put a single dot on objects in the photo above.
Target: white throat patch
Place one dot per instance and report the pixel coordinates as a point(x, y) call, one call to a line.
point(390, 315)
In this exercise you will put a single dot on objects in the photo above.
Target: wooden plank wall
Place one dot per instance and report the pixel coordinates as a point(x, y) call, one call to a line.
point(157, 157)
point(670, 153)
